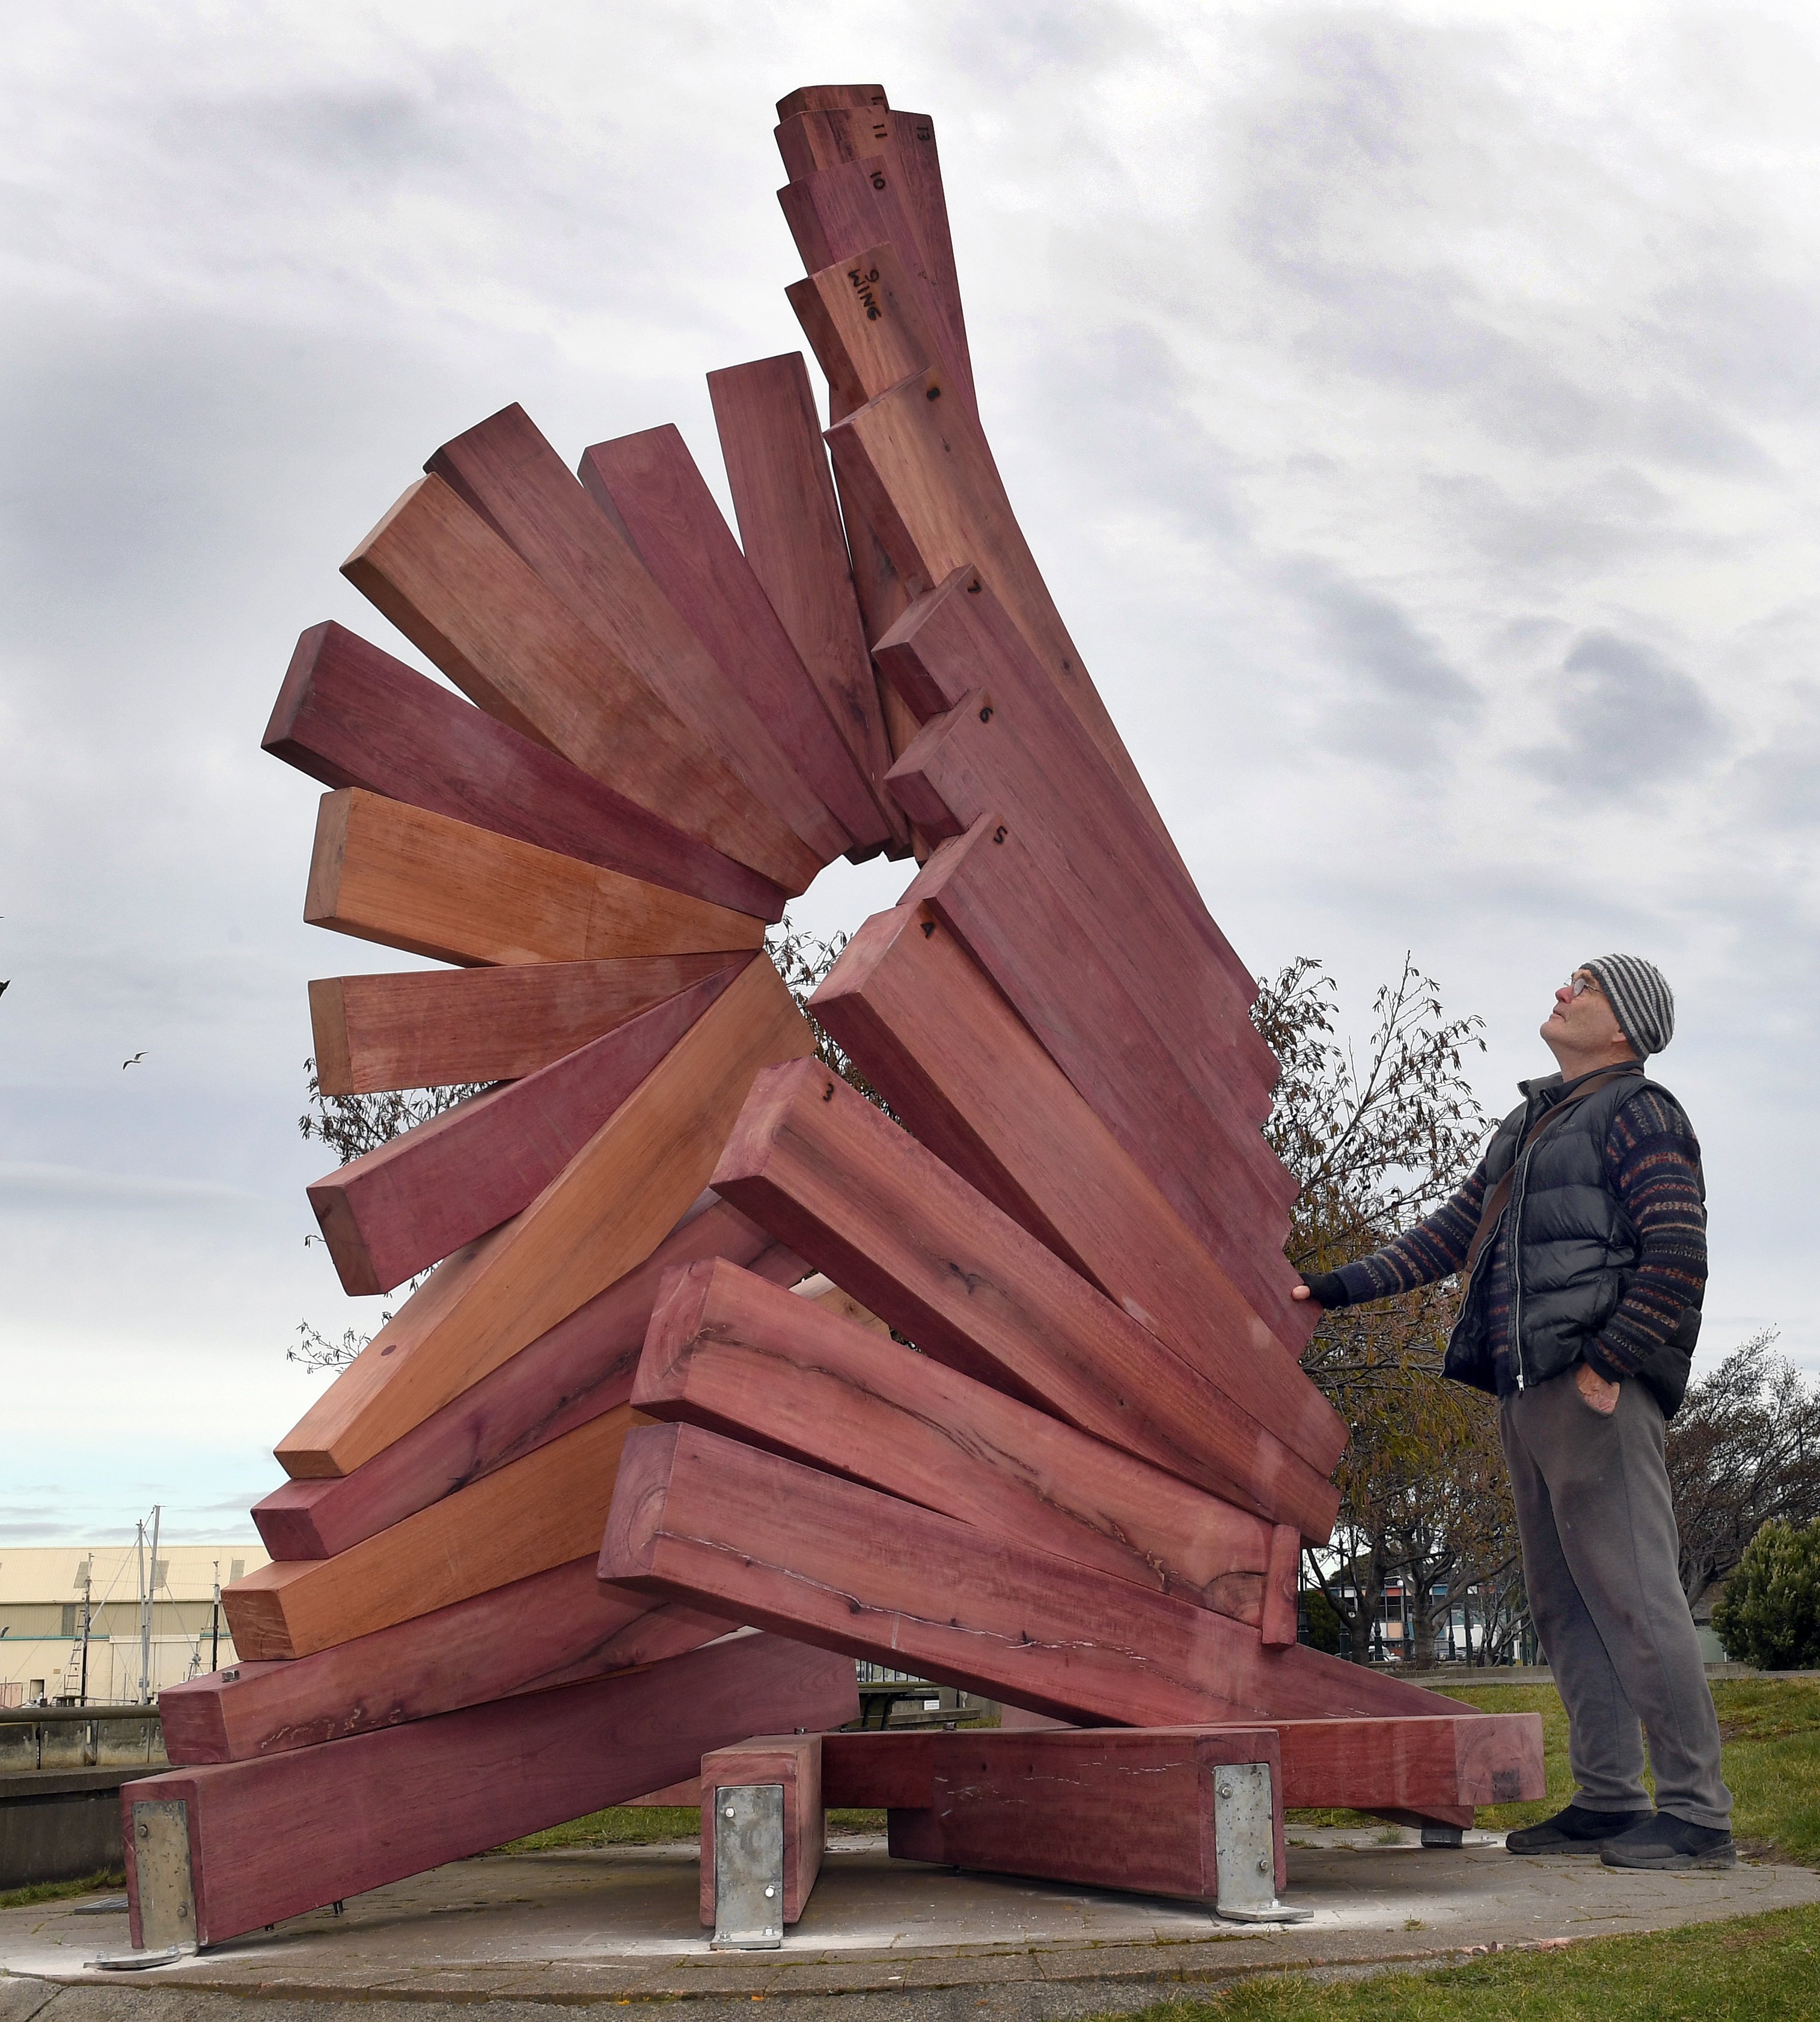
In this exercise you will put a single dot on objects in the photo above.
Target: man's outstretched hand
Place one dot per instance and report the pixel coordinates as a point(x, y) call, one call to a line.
point(1603, 1397)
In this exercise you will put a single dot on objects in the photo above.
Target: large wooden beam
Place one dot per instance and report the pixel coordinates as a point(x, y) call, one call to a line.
point(583, 1367)
point(835, 213)
point(953, 1059)
point(814, 138)
point(915, 462)
point(956, 638)
point(865, 320)
point(1103, 1808)
point(524, 1518)
point(1090, 1010)
point(789, 526)
point(351, 716)
point(705, 1519)
point(847, 1188)
point(272, 1839)
point(582, 550)
point(555, 1628)
point(433, 1028)
point(387, 872)
point(728, 1351)
point(609, 1208)
point(412, 1202)
point(1428, 1764)
point(689, 548)
point(465, 598)
point(1428, 1767)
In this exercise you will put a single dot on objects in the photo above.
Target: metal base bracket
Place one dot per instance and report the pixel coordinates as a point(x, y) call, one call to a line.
point(1444, 1835)
point(1244, 1847)
point(748, 1867)
point(162, 1883)
point(138, 1961)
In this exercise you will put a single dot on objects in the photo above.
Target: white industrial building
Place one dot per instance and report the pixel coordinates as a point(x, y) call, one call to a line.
point(117, 1612)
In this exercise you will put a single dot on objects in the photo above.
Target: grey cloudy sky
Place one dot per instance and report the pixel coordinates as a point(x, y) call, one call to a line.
point(1415, 409)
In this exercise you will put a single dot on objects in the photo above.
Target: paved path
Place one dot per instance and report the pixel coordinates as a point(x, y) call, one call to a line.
point(491, 1940)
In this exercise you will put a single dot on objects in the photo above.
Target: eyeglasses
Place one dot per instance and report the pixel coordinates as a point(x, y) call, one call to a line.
point(1578, 986)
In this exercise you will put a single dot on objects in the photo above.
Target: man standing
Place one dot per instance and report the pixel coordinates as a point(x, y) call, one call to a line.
point(1581, 1239)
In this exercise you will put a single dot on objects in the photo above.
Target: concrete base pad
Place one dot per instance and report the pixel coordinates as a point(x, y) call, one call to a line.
point(893, 1940)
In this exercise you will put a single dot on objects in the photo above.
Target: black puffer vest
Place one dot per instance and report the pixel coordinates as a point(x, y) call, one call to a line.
point(1570, 1251)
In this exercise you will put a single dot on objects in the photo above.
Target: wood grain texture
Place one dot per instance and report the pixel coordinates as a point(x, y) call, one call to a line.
point(605, 1213)
point(1282, 1582)
point(351, 716)
point(583, 1367)
point(789, 525)
point(986, 756)
point(824, 1171)
point(1425, 1763)
point(954, 1061)
point(575, 537)
point(727, 1528)
point(1447, 1762)
point(795, 1762)
point(958, 638)
point(418, 1199)
point(433, 1028)
point(533, 1514)
point(866, 320)
point(916, 464)
point(554, 1628)
point(823, 137)
point(1102, 1808)
point(1091, 1011)
point(465, 598)
point(387, 872)
point(835, 213)
point(691, 553)
point(375, 1808)
point(729, 1352)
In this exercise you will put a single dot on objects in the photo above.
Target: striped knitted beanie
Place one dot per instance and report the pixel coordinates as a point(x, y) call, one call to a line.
point(1640, 998)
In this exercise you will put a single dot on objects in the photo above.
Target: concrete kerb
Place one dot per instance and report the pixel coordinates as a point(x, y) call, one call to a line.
point(888, 1941)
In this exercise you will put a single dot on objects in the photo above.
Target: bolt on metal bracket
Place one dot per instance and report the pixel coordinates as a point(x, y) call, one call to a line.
point(1244, 1847)
point(166, 1890)
point(748, 1867)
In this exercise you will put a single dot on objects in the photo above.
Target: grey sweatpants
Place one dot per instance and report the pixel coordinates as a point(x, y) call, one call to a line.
point(1599, 1558)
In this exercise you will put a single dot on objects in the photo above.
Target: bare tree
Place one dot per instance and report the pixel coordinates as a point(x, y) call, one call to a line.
point(1744, 1451)
point(1377, 1138)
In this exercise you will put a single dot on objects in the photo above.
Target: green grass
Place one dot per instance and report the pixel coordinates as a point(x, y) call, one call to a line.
point(654, 1825)
point(1751, 1969)
point(110, 1880)
point(1771, 1731)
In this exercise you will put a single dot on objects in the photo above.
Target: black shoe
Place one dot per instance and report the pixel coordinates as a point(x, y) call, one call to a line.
point(1665, 1840)
point(1575, 1831)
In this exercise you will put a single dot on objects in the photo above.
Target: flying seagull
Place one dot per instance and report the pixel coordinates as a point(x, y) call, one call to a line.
point(132, 1062)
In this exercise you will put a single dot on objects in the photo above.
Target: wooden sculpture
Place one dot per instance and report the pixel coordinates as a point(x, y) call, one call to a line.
point(524, 1530)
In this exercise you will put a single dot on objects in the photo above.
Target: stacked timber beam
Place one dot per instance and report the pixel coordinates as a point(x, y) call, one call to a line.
point(711, 1375)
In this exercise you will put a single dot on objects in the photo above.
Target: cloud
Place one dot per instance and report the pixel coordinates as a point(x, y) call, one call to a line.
point(1398, 697)
point(1632, 720)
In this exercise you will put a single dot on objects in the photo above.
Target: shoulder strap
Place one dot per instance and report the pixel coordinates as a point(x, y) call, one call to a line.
point(1499, 1197)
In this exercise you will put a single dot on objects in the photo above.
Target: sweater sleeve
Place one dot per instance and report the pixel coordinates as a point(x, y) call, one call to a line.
point(1433, 1249)
point(1652, 1163)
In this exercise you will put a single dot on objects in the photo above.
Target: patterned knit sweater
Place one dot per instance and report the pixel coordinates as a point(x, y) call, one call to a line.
point(1652, 1165)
